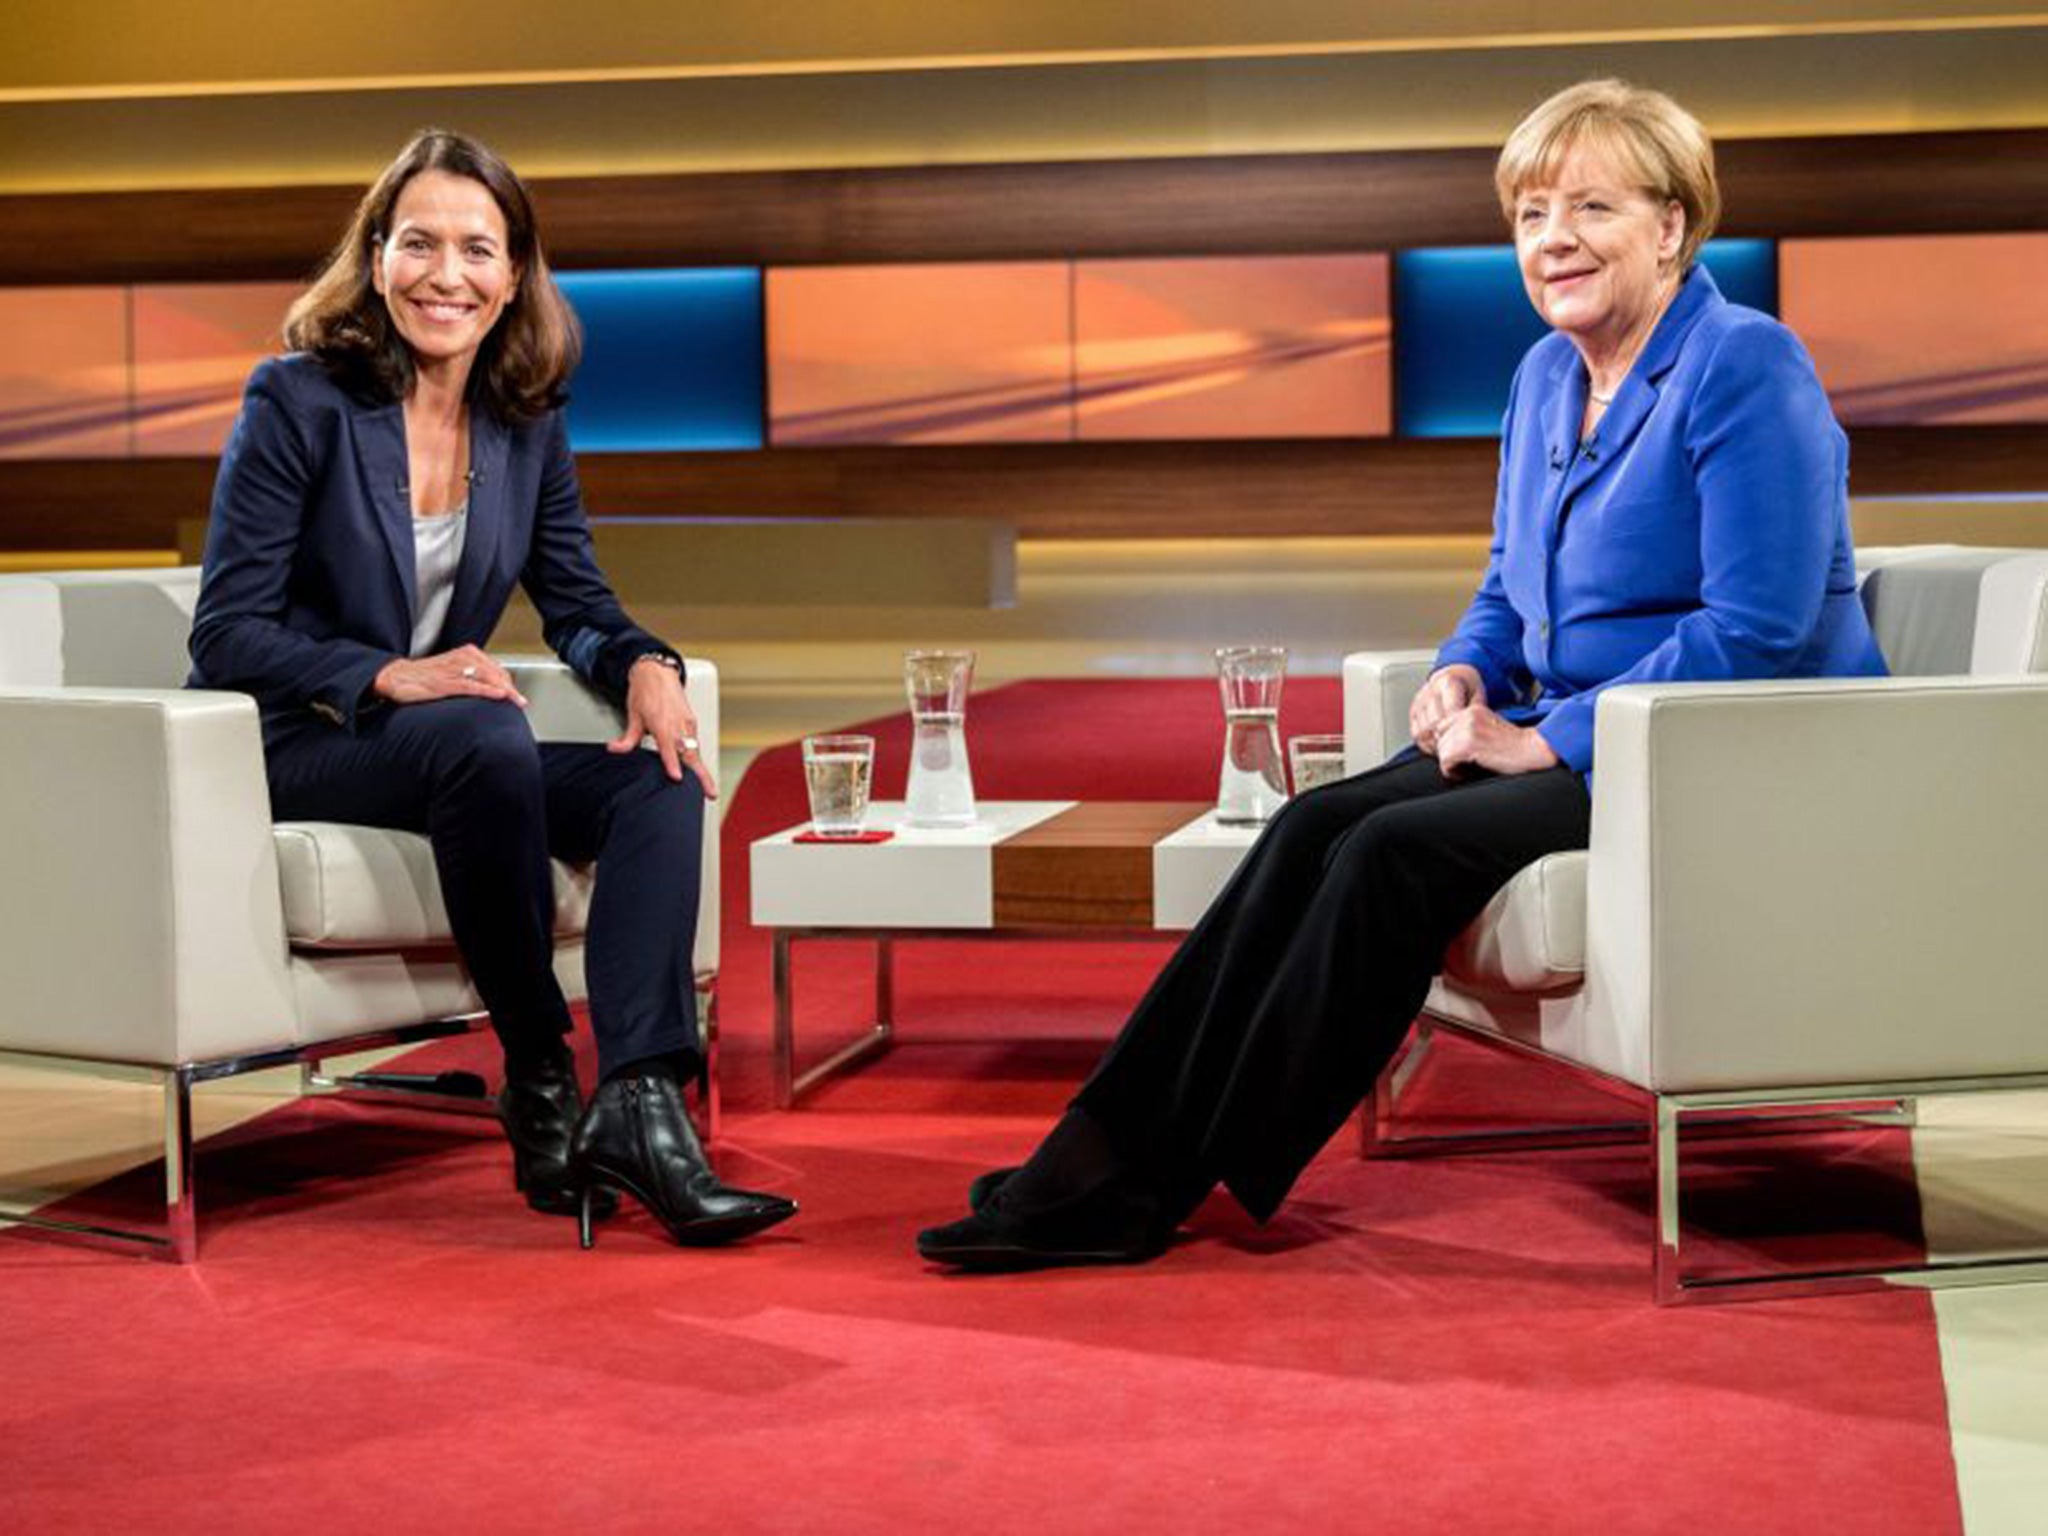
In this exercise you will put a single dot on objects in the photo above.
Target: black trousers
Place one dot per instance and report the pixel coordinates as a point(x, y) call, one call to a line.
point(1275, 1016)
point(496, 804)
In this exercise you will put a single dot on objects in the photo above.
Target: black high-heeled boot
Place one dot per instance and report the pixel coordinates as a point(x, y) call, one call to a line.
point(636, 1136)
point(539, 1106)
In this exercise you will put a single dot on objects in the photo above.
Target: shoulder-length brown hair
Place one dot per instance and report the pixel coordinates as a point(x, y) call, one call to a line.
point(529, 354)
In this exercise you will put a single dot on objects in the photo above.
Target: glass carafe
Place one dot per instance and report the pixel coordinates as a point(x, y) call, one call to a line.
point(1254, 780)
point(941, 789)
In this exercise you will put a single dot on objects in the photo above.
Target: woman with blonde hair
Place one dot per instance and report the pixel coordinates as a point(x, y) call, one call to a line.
point(1671, 505)
point(386, 485)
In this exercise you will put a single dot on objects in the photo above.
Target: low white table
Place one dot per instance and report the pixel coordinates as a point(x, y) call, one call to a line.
point(1027, 869)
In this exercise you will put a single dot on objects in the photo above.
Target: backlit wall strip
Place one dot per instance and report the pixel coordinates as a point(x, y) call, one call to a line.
point(1925, 329)
point(1462, 322)
point(671, 359)
point(1232, 346)
point(971, 352)
point(1920, 329)
point(991, 352)
point(64, 385)
point(194, 344)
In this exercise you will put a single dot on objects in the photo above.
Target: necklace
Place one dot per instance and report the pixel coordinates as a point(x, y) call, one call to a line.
point(1640, 342)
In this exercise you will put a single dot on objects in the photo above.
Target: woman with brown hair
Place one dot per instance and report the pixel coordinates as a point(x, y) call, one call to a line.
point(385, 485)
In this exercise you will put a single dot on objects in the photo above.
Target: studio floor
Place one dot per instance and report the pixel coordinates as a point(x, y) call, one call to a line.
point(377, 1329)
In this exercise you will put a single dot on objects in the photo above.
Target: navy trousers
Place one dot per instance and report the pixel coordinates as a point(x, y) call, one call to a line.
point(1275, 1015)
point(495, 804)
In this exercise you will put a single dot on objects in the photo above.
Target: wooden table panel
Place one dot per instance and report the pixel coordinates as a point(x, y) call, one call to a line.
point(1090, 867)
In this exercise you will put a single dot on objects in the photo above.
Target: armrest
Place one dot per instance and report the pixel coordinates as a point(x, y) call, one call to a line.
point(1378, 688)
point(562, 707)
point(1819, 881)
point(139, 910)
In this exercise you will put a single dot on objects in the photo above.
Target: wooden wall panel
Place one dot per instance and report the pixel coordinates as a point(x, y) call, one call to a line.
point(1091, 490)
point(1869, 184)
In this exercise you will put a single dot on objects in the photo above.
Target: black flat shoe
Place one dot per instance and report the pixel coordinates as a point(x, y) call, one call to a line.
point(1111, 1224)
point(538, 1107)
point(636, 1136)
point(983, 1189)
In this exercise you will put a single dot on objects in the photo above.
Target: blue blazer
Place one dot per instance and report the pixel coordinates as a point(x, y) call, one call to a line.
point(1701, 532)
point(309, 578)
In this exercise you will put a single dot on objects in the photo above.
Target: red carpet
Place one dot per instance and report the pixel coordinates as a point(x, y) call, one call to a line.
point(378, 1335)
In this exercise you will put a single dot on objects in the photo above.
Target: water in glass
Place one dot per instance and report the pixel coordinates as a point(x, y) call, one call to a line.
point(1315, 760)
point(1253, 784)
point(940, 792)
point(837, 772)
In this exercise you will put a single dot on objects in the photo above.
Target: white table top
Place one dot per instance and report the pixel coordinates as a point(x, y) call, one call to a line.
point(941, 877)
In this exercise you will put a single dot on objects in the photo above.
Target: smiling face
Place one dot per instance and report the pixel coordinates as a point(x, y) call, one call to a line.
point(1597, 252)
point(443, 268)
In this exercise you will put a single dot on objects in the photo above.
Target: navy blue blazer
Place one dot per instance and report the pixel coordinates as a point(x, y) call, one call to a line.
point(1700, 532)
point(308, 585)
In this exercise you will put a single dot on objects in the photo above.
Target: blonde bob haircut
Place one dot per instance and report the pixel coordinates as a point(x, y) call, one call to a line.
point(1659, 145)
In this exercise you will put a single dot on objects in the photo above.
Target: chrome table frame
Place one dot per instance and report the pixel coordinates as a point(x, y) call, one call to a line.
point(1659, 1120)
point(176, 1239)
point(879, 1038)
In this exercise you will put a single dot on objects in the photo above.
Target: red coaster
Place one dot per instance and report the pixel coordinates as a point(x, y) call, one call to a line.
point(858, 837)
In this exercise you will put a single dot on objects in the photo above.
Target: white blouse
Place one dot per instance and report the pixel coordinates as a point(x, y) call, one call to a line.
point(436, 553)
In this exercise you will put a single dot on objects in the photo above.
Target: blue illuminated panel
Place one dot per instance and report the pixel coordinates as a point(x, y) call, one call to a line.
point(1462, 323)
point(671, 359)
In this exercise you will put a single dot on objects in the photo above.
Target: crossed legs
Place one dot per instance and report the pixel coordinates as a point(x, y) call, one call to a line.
point(1274, 1016)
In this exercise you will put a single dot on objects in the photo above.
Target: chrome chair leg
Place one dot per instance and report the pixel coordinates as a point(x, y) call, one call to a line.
point(708, 1097)
point(181, 1203)
point(1667, 1276)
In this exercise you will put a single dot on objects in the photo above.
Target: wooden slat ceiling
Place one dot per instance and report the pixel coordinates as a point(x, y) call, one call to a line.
point(238, 93)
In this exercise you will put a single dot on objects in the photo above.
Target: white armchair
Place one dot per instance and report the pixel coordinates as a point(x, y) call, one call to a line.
point(154, 923)
point(1799, 895)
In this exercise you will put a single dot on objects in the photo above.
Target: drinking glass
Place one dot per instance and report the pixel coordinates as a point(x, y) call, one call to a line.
point(941, 788)
point(837, 772)
point(1253, 783)
point(1315, 760)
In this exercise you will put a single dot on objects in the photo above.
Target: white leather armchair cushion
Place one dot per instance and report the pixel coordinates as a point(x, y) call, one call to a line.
point(1532, 936)
point(31, 632)
point(1378, 688)
point(139, 915)
point(2012, 618)
point(127, 629)
point(349, 887)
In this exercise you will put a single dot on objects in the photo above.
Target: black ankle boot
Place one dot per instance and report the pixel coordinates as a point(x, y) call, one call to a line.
point(538, 1107)
point(636, 1136)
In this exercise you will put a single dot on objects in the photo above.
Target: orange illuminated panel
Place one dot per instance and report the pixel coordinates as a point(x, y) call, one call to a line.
point(63, 373)
point(1923, 328)
point(194, 346)
point(947, 353)
point(1233, 346)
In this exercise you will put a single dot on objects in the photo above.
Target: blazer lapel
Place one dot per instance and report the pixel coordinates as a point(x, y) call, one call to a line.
point(1637, 396)
point(380, 448)
point(1561, 420)
point(468, 623)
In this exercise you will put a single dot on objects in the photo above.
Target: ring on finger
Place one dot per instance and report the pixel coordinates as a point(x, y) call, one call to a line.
point(469, 672)
point(688, 743)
